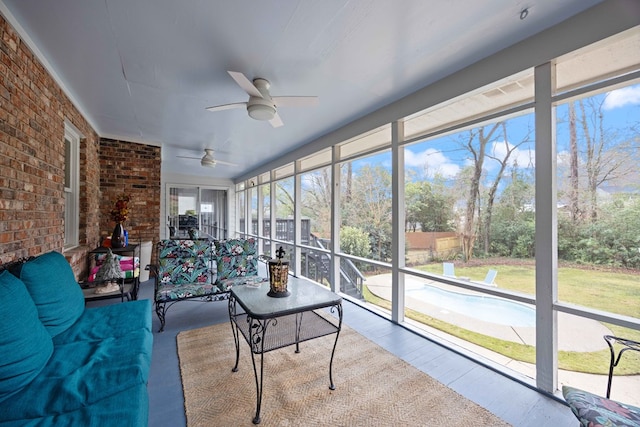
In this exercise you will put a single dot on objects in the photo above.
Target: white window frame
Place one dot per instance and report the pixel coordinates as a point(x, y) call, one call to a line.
point(71, 186)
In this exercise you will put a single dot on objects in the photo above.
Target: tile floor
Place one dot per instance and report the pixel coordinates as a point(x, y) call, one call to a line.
point(508, 399)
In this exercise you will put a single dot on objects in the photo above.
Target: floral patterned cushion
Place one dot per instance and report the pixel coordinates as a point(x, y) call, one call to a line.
point(184, 269)
point(236, 259)
point(171, 292)
point(226, 285)
point(595, 411)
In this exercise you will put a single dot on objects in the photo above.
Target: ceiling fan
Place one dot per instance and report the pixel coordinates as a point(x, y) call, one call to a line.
point(208, 160)
point(261, 105)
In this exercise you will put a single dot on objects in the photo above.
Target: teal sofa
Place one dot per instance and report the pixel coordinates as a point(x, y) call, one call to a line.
point(66, 365)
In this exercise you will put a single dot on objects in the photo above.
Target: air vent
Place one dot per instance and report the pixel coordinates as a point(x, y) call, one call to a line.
point(511, 87)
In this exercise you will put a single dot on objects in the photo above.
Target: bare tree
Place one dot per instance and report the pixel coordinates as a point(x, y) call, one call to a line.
point(477, 219)
point(369, 207)
point(316, 201)
point(605, 159)
point(574, 182)
point(503, 161)
point(349, 181)
point(476, 143)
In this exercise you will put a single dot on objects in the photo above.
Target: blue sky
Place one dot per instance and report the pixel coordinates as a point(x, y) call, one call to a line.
point(444, 155)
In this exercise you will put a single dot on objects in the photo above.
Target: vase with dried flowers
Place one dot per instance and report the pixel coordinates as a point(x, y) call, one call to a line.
point(119, 214)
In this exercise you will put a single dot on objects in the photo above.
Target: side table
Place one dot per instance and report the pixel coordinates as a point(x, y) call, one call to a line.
point(125, 290)
point(129, 286)
point(268, 323)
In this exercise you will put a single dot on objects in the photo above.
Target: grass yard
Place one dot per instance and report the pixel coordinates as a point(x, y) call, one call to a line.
point(612, 291)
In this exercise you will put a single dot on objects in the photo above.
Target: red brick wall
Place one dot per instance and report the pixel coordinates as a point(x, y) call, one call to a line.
point(133, 169)
point(33, 110)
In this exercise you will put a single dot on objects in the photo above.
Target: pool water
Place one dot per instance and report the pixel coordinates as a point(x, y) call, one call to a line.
point(482, 307)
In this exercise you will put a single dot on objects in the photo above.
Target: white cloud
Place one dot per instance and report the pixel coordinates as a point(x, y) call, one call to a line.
point(447, 170)
point(563, 158)
point(432, 160)
point(525, 158)
point(621, 97)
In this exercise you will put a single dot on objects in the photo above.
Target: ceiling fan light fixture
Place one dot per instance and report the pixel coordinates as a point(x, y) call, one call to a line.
point(261, 111)
point(208, 160)
point(208, 163)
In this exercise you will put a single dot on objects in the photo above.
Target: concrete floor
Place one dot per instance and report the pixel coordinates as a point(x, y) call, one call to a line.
point(514, 401)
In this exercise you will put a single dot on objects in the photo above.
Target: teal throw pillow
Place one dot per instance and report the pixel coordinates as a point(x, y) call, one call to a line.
point(25, 344)
point(53, 287)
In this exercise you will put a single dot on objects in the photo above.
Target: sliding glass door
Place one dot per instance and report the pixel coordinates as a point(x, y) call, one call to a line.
point(199, 209)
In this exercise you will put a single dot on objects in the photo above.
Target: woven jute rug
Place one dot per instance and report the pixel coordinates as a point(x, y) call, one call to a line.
point(373, 387)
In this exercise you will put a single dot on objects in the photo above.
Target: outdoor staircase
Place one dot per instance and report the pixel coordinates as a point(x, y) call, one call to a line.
point(319, 265)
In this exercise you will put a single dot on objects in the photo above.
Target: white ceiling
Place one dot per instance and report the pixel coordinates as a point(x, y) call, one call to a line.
point(145, 70)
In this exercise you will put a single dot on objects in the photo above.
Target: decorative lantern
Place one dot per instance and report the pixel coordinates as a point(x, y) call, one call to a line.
point(278, 276)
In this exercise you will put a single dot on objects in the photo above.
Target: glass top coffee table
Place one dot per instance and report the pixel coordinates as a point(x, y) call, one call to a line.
point(268, 323)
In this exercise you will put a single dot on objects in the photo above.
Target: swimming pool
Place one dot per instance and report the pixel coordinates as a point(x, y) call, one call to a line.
point(482, 307)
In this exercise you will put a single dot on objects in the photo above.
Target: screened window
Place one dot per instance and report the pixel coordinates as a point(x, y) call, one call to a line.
point(71, 185)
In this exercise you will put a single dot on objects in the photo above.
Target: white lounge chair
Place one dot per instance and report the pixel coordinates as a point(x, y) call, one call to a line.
point(490, 278)
point(448, 269)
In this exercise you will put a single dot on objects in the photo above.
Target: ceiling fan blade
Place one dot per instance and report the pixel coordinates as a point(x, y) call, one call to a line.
point(295, 101)
point(222, 162)
point(276, 122)
point(187, 157)
point(226, 106)
point(245, 83)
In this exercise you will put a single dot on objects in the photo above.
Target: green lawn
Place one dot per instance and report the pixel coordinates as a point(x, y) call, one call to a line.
point(615, 292)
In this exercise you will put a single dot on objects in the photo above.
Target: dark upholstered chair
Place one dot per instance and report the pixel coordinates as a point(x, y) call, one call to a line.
point(593, 410)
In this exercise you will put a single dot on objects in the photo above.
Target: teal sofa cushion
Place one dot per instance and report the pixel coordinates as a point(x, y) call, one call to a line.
point(107, 321)
point(25, 344)
point(94, 371)
point(128, 408)
point(53, 287)
point(82, 374)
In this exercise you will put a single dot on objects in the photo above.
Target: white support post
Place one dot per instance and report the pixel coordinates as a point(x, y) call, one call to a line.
point(397, 222)
point(336, 218)
point(272, 213)
point(260, 211)
point(546, 231)
point(297, 215)
point(247, 211)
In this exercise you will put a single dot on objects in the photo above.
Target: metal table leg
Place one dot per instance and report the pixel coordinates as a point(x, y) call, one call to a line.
point(234, 329)
point(335, 343)
point(257, 330)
